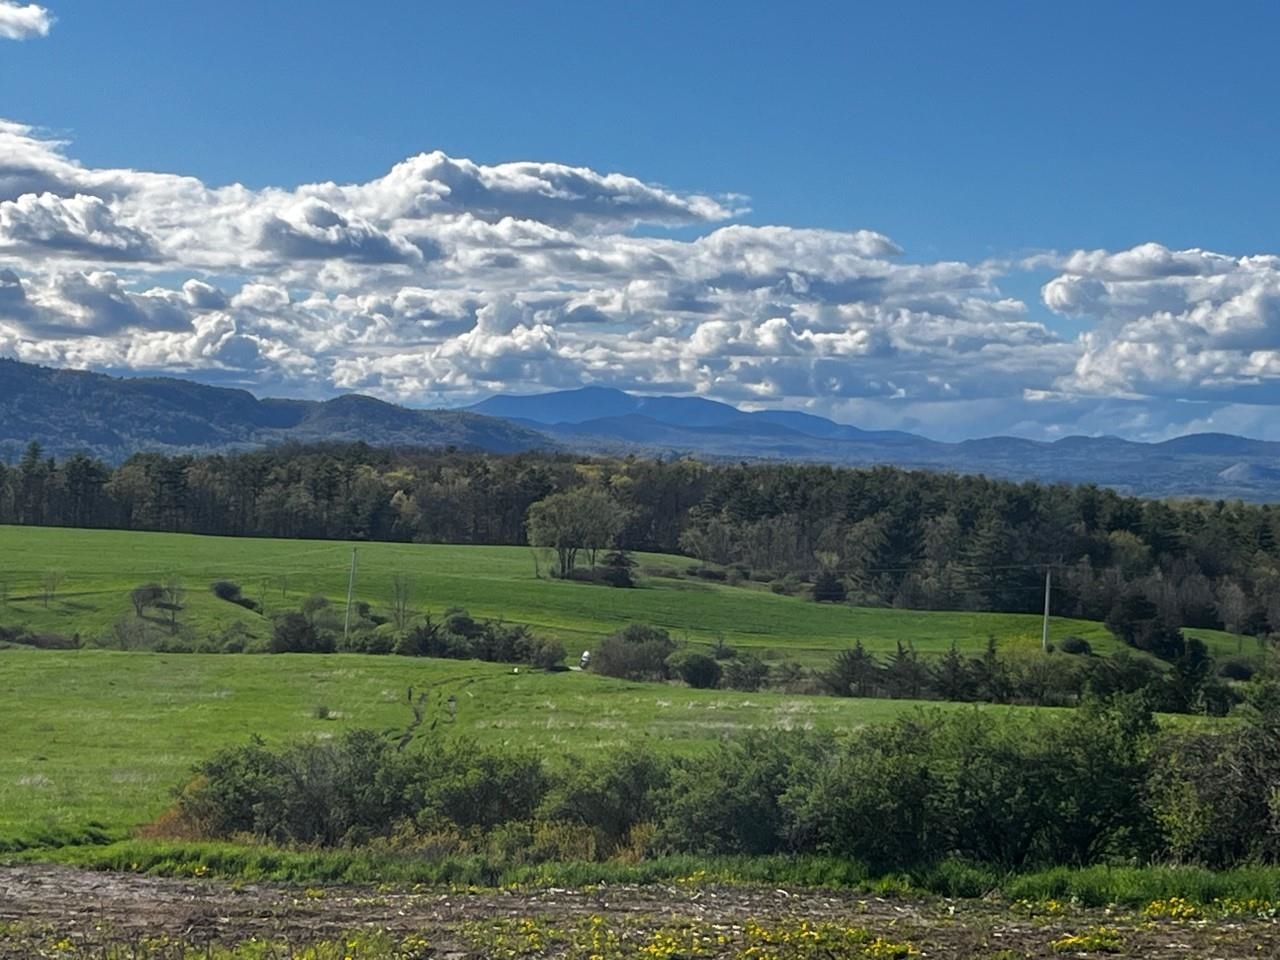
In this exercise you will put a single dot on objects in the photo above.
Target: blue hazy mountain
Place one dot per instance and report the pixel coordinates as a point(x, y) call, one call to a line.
point(604, 420)
point(70, 411)
point(591, 404)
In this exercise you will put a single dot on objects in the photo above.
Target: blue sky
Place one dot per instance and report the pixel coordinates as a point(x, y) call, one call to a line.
point(1035, 219)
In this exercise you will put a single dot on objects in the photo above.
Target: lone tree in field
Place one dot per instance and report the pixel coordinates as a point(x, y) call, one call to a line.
point(51, 581)
point(584, 518)
point(147, 595)
point(171, 601)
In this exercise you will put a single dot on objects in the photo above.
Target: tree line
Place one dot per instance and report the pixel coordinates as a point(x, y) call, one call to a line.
point(885, 536)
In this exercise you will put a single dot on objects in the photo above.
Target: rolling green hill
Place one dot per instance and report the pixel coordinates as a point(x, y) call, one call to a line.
point(100, 567)
point(103, 736)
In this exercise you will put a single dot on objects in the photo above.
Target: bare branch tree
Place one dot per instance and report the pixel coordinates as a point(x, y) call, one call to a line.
point(51, 581)
point(401, 600)
point(145, 596)
point(174, 594)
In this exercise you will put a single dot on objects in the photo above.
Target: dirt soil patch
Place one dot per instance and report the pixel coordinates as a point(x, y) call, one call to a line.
point(66, 912)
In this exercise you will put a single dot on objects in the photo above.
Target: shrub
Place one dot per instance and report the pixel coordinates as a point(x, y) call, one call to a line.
point(357, 787)
point(747, 673)
point(53, 641)
point(295, 633)
point(789, 673)
point(1213, 795)
point(345, 790)
point(460, 636)
point(636, 652)
point(1075, 645)
point(229, 591)
point(962, 794)
point(730, 800)
point(380, 640)
point(459, 622)
point(1241, 670)
point(546, 653)
point(617, 569)
point(610, 795)
point(1014, 794)
point(472, 786)
point(314, 604)
point(696, 669)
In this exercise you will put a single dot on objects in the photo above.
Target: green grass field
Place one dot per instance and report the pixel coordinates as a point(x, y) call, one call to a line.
point(101, 567)
point(103, 736)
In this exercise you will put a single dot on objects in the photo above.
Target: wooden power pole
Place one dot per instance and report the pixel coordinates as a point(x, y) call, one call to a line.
point(1044, 636)
point(351, 586)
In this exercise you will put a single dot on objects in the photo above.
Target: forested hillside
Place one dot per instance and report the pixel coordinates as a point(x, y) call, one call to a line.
point(108, 417)
point(886, 536)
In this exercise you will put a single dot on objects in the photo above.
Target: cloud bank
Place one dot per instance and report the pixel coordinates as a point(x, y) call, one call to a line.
point(446, 280)
point(19, 22)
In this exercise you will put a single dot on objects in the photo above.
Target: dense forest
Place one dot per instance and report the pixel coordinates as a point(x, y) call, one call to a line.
point(885, 536)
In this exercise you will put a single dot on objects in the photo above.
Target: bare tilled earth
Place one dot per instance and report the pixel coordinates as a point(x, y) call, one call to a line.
point(86, 912)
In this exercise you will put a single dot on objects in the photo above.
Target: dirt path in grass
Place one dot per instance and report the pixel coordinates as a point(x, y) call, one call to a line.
point(83, 912)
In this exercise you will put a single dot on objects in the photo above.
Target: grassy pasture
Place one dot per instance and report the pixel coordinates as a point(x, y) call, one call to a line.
point(100, 567)
point(102, 736)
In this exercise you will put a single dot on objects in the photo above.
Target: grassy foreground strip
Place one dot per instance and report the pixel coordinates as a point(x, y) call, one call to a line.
point(1245, 891)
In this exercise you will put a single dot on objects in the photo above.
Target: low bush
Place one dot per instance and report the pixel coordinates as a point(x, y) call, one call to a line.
point(296, 633)
point(229, 591)
point(696, 669)
point(746, 672)
point(460, 636)
point(636, 652)
point(610, 796)
point(1236, 669)
point(994, 792)
point(1075, 645)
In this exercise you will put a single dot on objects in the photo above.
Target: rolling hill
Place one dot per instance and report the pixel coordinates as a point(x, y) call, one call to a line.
point(70, 411)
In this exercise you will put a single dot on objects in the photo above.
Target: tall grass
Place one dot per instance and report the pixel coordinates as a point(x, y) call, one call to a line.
point(1130, 887)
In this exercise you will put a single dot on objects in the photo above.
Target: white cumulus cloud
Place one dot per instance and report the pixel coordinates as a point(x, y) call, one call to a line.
point(1187, 324)
point(23, 21)
point(447, 279)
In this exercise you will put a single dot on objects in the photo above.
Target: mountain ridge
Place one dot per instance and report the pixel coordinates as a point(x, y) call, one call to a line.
point(607, 420)
point(74, 411)
point(70, 411)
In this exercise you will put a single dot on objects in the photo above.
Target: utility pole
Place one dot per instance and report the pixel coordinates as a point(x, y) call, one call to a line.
point(351, 586)
point(1044, 637)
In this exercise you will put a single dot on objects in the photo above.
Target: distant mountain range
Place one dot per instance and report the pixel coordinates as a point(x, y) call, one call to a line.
point(69, 411)
point(603, 420)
